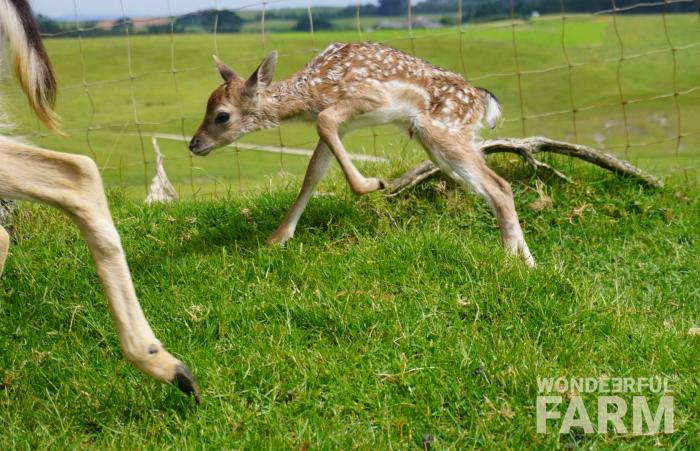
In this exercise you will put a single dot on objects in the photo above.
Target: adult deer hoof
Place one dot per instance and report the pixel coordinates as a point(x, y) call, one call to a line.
point(186, 382)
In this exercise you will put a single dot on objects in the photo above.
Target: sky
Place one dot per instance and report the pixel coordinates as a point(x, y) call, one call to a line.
point(149, 8)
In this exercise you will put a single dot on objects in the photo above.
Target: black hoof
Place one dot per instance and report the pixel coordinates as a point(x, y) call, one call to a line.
point(185, 381)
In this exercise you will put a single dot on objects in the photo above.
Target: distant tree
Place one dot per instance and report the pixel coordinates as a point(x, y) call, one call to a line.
point(494, 9)
point(436, 6)
point(448, 21)
point(47, 25)
point(320, 23)
point(393, 7)
point(283, 13)
point(158, 29)
point(228, 22)
point(365, 10)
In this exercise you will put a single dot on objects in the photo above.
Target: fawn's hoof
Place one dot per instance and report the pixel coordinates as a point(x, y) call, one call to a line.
point(279, 238)
point(367, 186)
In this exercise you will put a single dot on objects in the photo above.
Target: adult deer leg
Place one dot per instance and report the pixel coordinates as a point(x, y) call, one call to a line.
point(4, 247)
point(72, 184)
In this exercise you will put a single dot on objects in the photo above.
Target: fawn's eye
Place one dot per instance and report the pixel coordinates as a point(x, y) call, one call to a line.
point(222, 117)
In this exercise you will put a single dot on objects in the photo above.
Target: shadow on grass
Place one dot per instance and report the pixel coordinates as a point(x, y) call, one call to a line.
point(245, 224)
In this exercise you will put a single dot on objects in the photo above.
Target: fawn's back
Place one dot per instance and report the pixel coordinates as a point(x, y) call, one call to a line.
point(410, 86)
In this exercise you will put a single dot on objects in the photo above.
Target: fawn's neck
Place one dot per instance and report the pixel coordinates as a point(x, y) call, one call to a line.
point(286, 99)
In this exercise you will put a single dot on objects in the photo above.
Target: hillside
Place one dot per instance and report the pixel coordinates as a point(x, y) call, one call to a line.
point(384, 320)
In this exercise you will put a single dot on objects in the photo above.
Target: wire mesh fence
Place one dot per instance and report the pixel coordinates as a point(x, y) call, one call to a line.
point(624, 79)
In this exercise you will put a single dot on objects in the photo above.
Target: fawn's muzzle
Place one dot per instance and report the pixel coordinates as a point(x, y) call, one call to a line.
point(194, 143)
point(202, 145)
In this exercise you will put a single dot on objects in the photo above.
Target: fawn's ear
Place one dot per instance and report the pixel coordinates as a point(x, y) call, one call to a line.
point(263, 74)
point(226, 72)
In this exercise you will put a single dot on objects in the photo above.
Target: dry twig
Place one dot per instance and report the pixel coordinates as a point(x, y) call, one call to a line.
point(161, 189)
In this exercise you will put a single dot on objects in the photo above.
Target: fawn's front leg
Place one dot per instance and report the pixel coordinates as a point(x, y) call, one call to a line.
point(314, 172)
point(327, 125)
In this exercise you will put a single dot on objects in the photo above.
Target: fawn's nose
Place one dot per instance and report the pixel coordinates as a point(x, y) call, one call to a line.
point(194, 143)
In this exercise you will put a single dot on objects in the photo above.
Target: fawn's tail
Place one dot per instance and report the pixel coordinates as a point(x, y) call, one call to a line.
point(492, 110)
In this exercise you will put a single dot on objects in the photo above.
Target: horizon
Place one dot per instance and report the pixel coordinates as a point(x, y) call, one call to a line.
point(86, 10)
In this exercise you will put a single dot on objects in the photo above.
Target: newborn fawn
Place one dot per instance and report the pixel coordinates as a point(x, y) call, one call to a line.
point(357, 85)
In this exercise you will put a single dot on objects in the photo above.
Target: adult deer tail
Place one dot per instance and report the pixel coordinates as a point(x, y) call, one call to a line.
point(29, 58)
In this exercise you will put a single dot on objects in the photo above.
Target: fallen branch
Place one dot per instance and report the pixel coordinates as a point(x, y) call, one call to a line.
point(527, 148)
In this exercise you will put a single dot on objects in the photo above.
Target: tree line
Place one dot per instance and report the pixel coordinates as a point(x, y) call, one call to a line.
point(225, 21)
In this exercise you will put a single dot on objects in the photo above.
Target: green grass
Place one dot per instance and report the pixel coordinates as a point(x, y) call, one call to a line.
point(385, 318)
point(174, 103)
point(292, 346)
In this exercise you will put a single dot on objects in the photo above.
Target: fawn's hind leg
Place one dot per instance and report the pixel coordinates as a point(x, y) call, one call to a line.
point(4, 247)
point(458, 157)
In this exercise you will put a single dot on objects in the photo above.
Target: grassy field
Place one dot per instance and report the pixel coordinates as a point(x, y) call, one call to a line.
point(385, 319)
point(366, 23)
point(167, 102)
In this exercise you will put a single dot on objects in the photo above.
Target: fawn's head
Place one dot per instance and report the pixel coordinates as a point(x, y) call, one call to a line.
point(234, 108)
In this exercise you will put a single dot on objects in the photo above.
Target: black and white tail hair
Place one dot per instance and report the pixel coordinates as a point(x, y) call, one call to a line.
point(492, 113)
point(29, 58)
